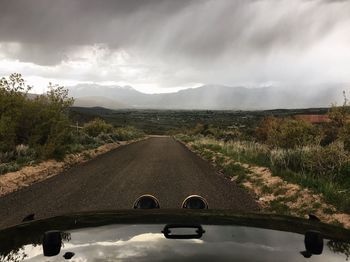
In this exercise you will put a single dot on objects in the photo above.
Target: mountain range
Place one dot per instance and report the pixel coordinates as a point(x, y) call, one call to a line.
point(210, 97)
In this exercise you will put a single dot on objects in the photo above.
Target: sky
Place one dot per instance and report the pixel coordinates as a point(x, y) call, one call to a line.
point(166, 45)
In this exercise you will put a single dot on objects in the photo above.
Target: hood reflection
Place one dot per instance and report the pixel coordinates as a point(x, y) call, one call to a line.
point(146, 242)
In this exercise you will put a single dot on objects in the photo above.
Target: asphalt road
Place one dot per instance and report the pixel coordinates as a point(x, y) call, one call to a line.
point(159, 166)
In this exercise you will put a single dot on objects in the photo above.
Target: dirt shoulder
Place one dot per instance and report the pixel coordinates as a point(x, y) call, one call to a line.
point(29, 175)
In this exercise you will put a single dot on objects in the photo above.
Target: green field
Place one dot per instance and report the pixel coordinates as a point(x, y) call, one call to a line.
point(168, 121)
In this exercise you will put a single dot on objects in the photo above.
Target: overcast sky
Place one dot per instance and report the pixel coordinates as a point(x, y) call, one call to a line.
point(166, 45)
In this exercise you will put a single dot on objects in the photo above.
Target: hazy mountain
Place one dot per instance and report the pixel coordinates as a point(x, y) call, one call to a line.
point(98, 101)
point(208, 97)
point(124, 95)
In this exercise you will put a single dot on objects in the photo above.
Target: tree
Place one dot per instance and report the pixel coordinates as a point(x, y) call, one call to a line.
point(41, 122)
point(13, 94)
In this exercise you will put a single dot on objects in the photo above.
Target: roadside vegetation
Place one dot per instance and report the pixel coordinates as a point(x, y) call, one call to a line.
point(36, 128)
point(316, 157)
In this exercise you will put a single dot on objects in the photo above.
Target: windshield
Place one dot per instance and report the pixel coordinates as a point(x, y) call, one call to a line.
point(243, 104)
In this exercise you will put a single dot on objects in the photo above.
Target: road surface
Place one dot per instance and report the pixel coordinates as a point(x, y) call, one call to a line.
point(159, 166)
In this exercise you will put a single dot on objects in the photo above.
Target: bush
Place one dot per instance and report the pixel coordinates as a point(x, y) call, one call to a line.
point(96, 127)
point(297, 159)
point(104, 138)
point(8, 167)
point(7, 156)
point(127, 133)
point(286, 133)
point(75, 148)
point(244, 151)
point(338, 128)
point(345, 136)
point(184, 138)
point(84, 139)
point(329, 162)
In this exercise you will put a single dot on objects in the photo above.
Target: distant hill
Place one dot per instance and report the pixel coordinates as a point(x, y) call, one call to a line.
point(126, 96)
point(210, 97)
point(98, 101)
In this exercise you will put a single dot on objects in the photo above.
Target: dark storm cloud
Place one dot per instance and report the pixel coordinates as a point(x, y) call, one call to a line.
point(155, 44)
point(200, 29)
point(47, 27)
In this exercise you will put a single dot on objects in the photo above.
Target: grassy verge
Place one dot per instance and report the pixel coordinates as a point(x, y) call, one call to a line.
point(233, 159)
point(78, 142)
point(333, 193)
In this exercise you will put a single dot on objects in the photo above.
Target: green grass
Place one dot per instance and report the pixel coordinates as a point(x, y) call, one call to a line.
point(234, 169)
point(207, 154)
point(316, 205)
point(266, 189)
point(333, 193)
point(279, 207)
point(336, 192)
point(17, 164)
point(79, 143)
point(9, 167)
point(249, 157)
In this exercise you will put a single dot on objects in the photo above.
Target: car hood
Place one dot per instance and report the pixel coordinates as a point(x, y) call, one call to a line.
point(139, 235)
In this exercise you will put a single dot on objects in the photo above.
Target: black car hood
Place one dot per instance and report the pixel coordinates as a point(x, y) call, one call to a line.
point(137, 234)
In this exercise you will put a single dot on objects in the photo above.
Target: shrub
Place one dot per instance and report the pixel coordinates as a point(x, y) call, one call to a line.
point(84, 139)
point(345, 136)
point(245, 151)
point(127, 133)
point(75, 148)
point(286, 133)
point(339, 114)
point(8, 167)
point(7, 156)
point(96, 127)
point(104, 138)
point(293, 159)
point(25, 154)
point(329, 162)
point(338, 127)
point(22, 150)
point(184, 138)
